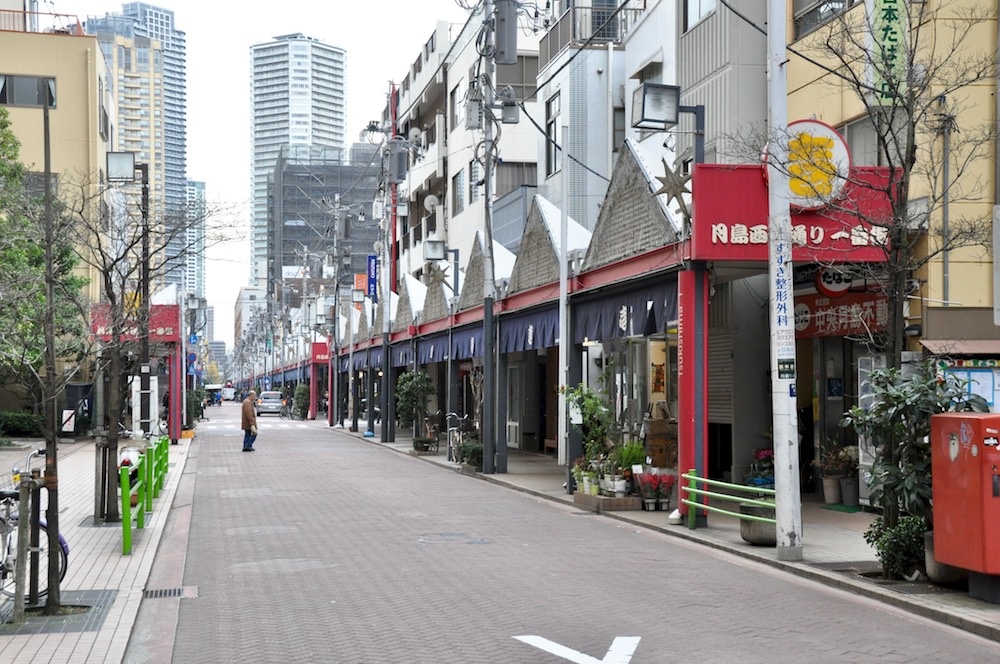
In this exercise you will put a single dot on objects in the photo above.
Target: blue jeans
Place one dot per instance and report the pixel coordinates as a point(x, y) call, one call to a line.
point(248, 439)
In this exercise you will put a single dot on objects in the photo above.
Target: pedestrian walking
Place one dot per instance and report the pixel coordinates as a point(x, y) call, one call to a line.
point(249, 421)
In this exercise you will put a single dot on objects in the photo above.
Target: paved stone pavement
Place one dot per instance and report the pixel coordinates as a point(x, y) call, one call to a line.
point(141, 630)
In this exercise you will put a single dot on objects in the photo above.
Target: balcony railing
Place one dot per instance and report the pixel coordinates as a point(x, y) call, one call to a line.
point(58, 24)
point(584, 22)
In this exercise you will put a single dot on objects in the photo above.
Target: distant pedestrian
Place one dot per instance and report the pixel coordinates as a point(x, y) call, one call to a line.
point(249, 421)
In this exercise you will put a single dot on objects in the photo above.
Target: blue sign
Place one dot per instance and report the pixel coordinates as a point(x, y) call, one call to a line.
point(373, 278)
point(193, 340)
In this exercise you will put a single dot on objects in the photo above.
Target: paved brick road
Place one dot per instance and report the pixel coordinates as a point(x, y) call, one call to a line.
point(322, 548)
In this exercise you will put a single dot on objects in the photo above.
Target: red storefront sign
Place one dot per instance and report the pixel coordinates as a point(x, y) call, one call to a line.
point(731, 218)
point(164, 324)
point(817, 315)
point(320, 354)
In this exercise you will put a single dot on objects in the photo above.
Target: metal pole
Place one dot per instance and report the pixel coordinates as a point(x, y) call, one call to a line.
point(562, 447)
point(144, 368)
point(788, 505)
point(490, 451)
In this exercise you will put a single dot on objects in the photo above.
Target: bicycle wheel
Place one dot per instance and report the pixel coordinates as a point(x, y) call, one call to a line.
point(11, 562)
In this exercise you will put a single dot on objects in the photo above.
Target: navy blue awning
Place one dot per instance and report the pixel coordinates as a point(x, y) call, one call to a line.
point(638, 309)
point(402, 354)
point(360, 360)
point(529, 330)
point(432, 349)
point(375, 359)
point(344, 361)
point(467, 342)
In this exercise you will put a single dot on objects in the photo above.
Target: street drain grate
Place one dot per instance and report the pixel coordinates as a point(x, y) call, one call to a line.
point(163, 592)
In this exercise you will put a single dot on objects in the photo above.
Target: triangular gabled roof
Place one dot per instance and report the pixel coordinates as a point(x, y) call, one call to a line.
point(472, 286)
point(538, 262)
point(632, 220)
point(411, 302)
point(393, 307)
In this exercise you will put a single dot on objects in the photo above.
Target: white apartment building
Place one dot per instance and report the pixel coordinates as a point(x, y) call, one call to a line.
point(297, 100)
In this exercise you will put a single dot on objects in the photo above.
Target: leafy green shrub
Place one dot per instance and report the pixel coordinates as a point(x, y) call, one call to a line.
point(301, 401)
point(900, 549)
point(471, 452)
point(19, 424)
point(598, 420)
point(412, 391)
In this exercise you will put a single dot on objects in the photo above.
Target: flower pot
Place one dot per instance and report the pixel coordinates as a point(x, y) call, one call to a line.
point(585, 487)
point(649, 504)
point(831, 490)
point(619, 487)
point(664, 504)
point(595, 490)
point(849, 492)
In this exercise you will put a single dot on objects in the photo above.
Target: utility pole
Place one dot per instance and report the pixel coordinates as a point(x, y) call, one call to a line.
point(788, 501)
point(489, 363)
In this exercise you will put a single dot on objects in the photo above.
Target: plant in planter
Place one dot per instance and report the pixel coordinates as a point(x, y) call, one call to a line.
point(301, 401)
point(413, 389)
point(666, 490)
point(897, 424)
point(597, 420)
point(471, 452)
point(899, 548)
point(761, 468)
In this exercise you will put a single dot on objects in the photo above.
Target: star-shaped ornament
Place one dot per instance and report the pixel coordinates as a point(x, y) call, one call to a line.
point(674, 183)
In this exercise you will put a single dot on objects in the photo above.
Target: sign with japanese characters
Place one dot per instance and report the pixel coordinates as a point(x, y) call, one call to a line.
point(164, 324)
point(861, 314)
point(731, 219)
point(887, 56)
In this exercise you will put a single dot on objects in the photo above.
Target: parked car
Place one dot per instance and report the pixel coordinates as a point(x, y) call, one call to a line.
point(270, 403)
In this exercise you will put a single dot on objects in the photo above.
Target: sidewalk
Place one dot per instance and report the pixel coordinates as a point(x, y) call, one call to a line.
point(834, 550)
point(98, 575)
point(114, 584)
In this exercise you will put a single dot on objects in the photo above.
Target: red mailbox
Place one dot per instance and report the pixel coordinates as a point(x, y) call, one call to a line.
point(965, 458)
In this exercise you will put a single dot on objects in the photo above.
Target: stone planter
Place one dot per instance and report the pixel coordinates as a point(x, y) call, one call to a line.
point(831, 490)
point(756, 532)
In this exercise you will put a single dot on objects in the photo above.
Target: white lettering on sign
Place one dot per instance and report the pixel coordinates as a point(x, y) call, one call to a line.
point(620, 652)
point(802, 235)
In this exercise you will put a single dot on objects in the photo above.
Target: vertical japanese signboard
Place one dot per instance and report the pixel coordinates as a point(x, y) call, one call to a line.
point(887, 59)
point(372, 288)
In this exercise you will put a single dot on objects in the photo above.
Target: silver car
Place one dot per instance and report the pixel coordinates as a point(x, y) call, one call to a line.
point(270, 402)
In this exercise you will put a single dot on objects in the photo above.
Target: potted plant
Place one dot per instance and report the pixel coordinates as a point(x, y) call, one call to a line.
point(413, 389)
point(830, 470)
point(596, 420)
point(649, 489)
point(470, 452)
point(761, 468)
point(666, 490)
point(846, 462)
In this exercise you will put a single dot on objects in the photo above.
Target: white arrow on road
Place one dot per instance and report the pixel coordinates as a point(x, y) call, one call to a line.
point(620, 652)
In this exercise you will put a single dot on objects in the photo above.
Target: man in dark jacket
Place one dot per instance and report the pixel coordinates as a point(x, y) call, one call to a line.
point(249, 421)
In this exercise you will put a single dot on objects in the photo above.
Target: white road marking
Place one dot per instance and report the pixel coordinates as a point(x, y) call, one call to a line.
point(621, 651)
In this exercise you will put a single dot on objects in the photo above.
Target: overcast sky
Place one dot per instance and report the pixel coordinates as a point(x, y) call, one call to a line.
point(381, 38)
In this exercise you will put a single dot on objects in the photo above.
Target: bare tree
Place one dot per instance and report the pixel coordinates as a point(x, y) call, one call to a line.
point(914, 83)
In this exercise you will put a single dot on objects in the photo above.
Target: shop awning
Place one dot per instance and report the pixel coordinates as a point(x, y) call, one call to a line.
point(402, 354)
point(529, 330)
point(635, 310)
point(432, 349)
point(467, 342)
point(962, 346)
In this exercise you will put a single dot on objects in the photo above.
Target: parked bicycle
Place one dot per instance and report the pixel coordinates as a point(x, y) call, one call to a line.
point(9, 517)
point(459, 427)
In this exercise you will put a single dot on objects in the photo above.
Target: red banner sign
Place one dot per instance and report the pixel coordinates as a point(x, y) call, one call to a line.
point(817, 315)
point(164, 324)
point(320, 354)
point(731, 218)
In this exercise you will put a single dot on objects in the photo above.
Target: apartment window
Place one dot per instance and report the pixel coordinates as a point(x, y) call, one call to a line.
point(862, 138)
point(474, 177)
point(458, 193)
point(695, 11)
point(454, 102)
point(27, 91)
point(553, 156)
point(810, 14)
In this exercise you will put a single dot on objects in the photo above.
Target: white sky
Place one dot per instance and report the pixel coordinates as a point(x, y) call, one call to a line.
point(381, 38)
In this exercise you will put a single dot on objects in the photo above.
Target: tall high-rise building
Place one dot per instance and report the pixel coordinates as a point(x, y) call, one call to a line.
point(147, 55)
point(297, 97)
point(194, 230)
